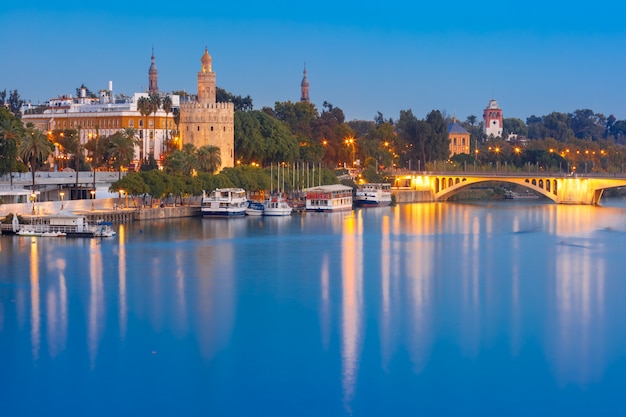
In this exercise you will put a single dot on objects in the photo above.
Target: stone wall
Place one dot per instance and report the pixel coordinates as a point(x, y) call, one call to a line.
point(413, 196)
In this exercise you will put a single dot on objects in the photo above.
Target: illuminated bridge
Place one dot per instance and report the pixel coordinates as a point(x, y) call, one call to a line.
point(561, 189)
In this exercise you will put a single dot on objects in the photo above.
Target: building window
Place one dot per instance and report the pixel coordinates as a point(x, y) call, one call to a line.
point(131, 123)
point(198, 128)
point(211, 128)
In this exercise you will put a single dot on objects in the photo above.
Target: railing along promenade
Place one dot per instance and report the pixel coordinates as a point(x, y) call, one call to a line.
point(560, 188)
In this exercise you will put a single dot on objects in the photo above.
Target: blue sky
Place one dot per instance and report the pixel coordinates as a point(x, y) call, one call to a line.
point(534, 56)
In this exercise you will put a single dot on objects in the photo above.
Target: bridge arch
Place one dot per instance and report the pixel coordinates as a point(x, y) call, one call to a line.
point(467, 182)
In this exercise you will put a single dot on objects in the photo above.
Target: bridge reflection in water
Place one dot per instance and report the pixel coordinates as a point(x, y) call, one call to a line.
point(560, 189)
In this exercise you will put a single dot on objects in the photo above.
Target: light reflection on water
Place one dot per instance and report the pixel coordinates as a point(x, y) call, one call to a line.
point(404, 302)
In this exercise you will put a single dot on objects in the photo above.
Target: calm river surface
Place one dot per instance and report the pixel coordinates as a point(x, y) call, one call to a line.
point(421, 309)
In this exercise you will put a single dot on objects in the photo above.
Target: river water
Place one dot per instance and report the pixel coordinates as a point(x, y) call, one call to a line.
point(420, 309)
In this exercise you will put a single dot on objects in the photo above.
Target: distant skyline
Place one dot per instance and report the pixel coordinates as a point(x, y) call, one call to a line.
point(532, 57)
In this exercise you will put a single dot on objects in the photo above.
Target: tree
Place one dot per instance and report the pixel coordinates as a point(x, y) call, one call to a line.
point(14, 103)
point(240, 103)
point(437, 143)
point(34, 148)
point(182, 161)
point(262, 138)
point(586, 124)
point(121, 150)
point(143, 105)
point(155, 103)
point(10, 130)
point(515, 126)
point(209, 158)
point(299, 116)
point(167, 108)
point(88, 92)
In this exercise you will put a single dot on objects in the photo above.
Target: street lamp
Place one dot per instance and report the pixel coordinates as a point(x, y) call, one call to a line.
point(32, 198)
point(61, 194)
point(350, 141)
point(93, 197)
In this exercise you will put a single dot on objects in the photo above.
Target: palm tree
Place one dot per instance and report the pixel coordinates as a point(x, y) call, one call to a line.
point(143, 105)
point(122, 150)
point(35, 146)
point(209, 158)
point(131, 134)
point(155, 103)
point(10, 130)
point(167, 108)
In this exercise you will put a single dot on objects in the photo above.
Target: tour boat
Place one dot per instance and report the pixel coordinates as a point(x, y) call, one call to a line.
point(276, 206)
point(373, 195)
point(255, 208)
point(224, 202)
point(328, 198)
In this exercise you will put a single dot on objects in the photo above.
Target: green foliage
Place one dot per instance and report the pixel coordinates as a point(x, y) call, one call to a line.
point(247, 177)
point(370, 174)
point(240, 103)
point(34, 149)
point(11, 130)
point(149, 163)
point(155, 180)
point(262, 138)
point(132, 183)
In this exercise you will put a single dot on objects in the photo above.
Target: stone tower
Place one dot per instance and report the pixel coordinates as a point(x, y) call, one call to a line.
point(153, 75)
point(492, 120)
point(206, 80)
point(304, 88)
point(204, 122)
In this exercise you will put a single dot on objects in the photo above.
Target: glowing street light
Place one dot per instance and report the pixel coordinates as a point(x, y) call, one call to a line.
point(61, 194)
point(93, 197)
point(33, 196)
point(351, 141)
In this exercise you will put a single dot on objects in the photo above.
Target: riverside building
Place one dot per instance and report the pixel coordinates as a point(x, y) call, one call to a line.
point(492, 120)
point(204, 121)
point(107, 114)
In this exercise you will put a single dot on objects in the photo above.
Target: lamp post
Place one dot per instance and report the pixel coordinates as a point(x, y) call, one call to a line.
point(350, 141)
point(61, 194)
point(33, 196)
point(93, 197)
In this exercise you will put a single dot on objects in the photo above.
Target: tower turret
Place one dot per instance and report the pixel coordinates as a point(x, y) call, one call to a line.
point(492, 118)
point(206, 80)
point(304, 88)
point(153, 75)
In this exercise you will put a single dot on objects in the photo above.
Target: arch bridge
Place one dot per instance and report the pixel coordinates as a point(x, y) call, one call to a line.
point(560, 189)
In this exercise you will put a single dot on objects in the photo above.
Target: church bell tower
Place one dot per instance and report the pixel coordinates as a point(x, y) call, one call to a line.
point(304, 88)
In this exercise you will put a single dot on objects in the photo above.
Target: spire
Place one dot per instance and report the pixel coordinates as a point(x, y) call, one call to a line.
point(153, 75)
point(304, 87)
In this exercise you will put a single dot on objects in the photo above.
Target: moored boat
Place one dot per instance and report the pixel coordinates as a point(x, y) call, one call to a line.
point(276, 206)
point(224, 202)
point(255, 208)
point(373, 195)
point(328, 198)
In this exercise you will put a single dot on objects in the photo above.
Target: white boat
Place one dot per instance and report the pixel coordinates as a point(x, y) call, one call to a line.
point(103, 229)
point(373, 195)
point(255, 208)
point(224, 202)
point(328, 198)
point(276, 206)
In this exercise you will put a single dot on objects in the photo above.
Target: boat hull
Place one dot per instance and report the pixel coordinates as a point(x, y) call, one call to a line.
point(371, 203)
point(218, 213)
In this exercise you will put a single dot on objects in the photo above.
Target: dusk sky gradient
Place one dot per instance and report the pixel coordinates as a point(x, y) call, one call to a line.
point(534, 57)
